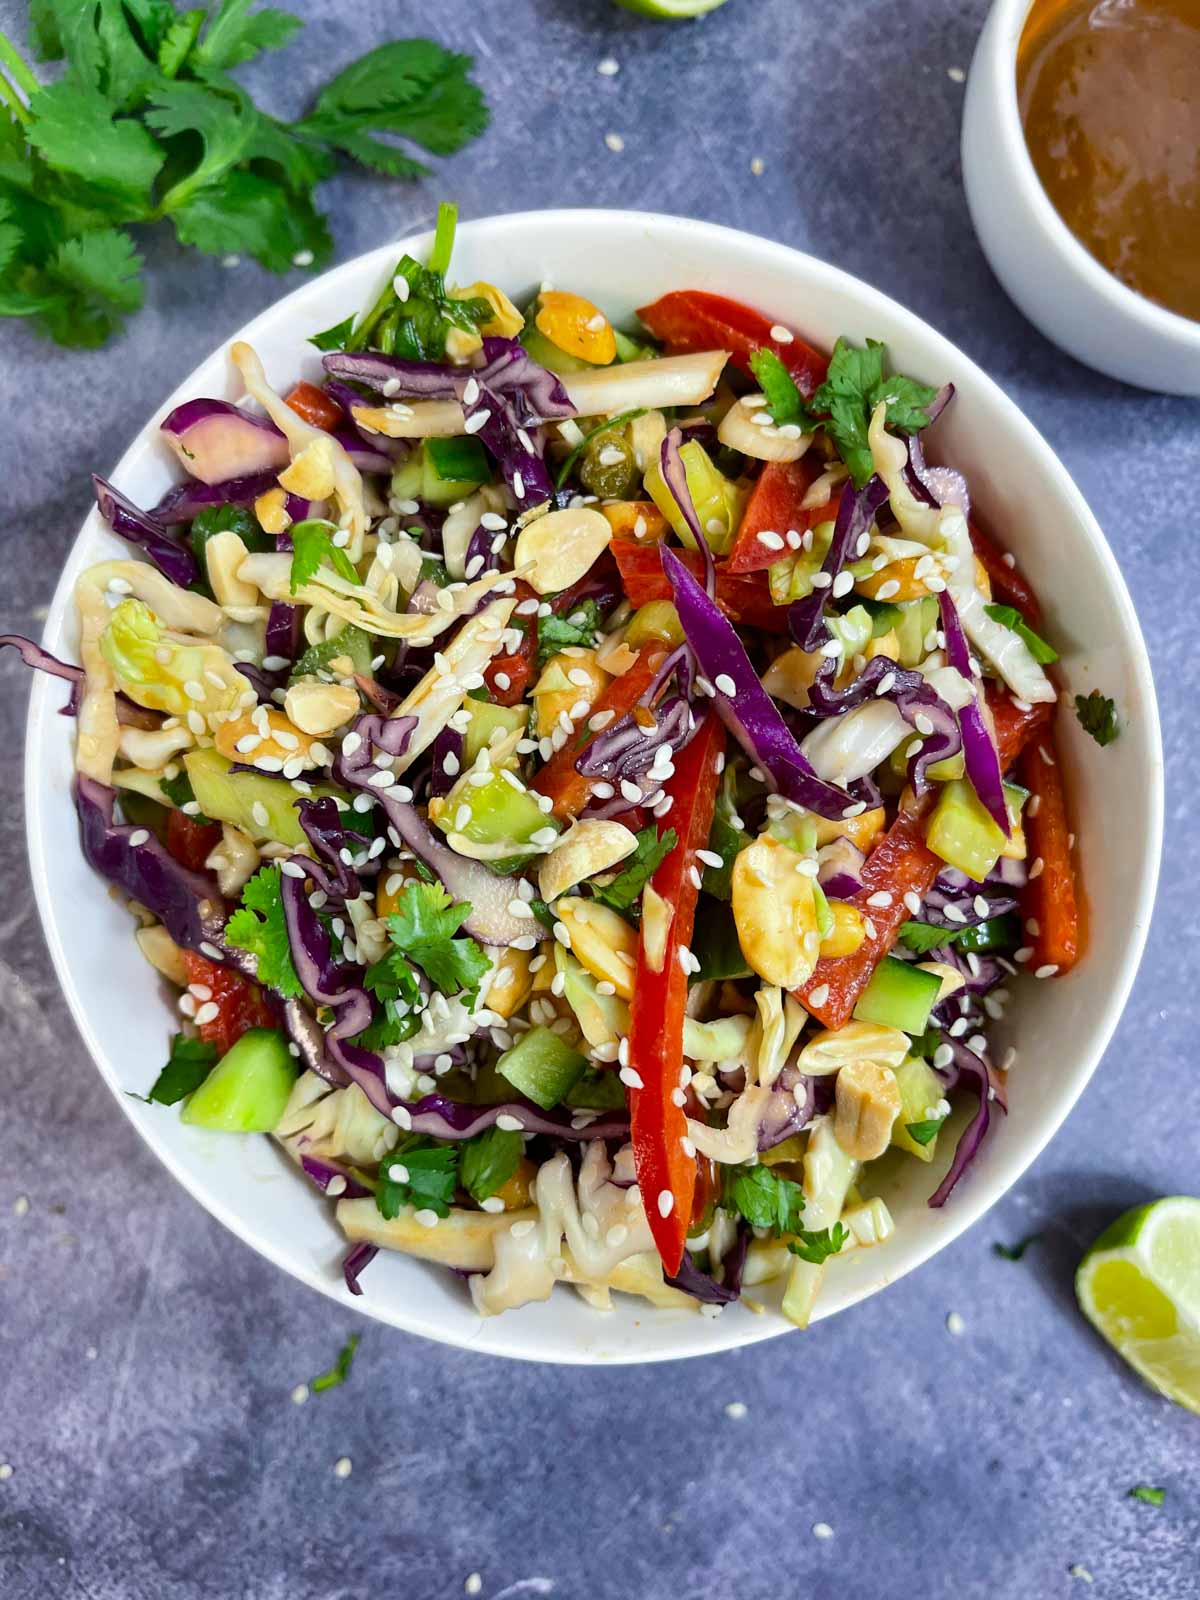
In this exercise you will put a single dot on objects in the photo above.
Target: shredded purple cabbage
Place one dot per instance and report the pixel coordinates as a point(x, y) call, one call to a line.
point(34, 656)
point(913, 696)
point(173, 559)
point(978, 747)
point(856, 513)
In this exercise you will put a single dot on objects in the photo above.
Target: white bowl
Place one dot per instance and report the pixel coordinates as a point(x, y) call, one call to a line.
point(1060, 286)
point(623, 260)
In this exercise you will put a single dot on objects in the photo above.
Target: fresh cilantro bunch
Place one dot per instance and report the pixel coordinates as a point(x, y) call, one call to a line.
point(146, 125)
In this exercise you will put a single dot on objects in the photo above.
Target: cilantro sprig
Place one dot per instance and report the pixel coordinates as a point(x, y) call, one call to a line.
point(820, 1245)
point(340, 1370)
point(146, 125)
point(1097, 715)
point(258, 926)
point(638, 868)
point(422, 931)
point(420, 1173)
point(1010, 617)
point(783, 398)
point(312, 549)
point(557, 633)
point(854, 386)
point(765, 1199)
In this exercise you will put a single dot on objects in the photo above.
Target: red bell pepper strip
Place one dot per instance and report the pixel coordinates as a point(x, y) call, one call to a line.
point(666, 1172)
point(692, 319)
point(1050, 899)
point(775, 506)
point(745, 598)
point(516, 669)
point(900, 864)
point(1008, 586)
point(569, 789)
point(189, 841)
point(315, 406)
point(241, 1004)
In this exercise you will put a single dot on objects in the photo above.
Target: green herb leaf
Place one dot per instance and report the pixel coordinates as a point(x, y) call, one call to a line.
point(190, 1062)
point(819, 1246)
point(489, 1161)
point(313, 548)
point(420, 1173)
point(922, 937)
point(73, 128)
point(726, 836)
point(249, 214)
point(93, 279)
point(855, 385)
point(560, 633)
point(258, 925)
point(234, 34)
point(422, 930)
point(335, 338)
point(764, 1198)
point(1014, 1252)
point(1151, 1496)
point(784, 400)
point(1097, 715)
point(411, 89)
point(924, 1132)
point(340, 1370)
point(1010, 617)
point(637, 869)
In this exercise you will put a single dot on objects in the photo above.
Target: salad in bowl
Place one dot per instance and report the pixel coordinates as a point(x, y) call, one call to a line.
point(590, 789)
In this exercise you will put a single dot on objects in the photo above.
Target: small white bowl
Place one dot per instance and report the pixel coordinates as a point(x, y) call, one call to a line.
point(1060, 286)
point(622, 260)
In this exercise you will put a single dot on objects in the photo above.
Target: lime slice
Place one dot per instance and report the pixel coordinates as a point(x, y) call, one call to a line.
point(670, 8)
point(1139, 1285)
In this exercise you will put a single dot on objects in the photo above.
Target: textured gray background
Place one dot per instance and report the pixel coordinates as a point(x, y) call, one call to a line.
point(148, 1356)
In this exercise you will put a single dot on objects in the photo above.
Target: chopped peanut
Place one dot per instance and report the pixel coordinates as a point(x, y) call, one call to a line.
point(775, 913)
point(868, 1102)
point(272, 512)
point(560, 547)
point(602, 941)
point(320, 708)
point(512, 984)
point(585, 849)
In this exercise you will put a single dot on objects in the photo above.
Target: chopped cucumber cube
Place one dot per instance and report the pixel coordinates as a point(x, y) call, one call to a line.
point(493, 813)
point(487, 721)
point(899, 995)
point(352, 643)
point(920, 1090)
point(451, 470)
point(916, 619)
point(228, 796)
point(247, 1090)
point(542, 1067)
point(546, 353)
point(963, 834)
point(997, 933)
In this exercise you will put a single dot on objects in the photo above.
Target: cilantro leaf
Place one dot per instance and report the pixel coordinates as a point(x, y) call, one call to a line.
point(226, 519)
point(335, 338)
point(1145, 1492)
point(224, 124)
point(637, 869)
point(784, 400)
point(1014, 1252)
point(73, 128)
point(1097, 715)
point(855, 385)
point(233, 35)
point(422, 930)
point(557, 633)
point(258, 926)
point(412, 89)
point(1010, 617)
point(94, 277)
point(923, 1132)
point(420, 1173)
point(313, 548)
point(176, 44)
point(190, 1062)
point(489, 1161)
point(254, 215)
point(922, 937)
point(764, 1198)
point(819, 1246)
point(725, 838)
point(340, 1370)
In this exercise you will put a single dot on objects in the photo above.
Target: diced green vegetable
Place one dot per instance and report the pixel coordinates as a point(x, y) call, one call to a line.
point(899, 995)
point(247, 1090)
point(602, 1019)
point(962, 832)
point(494, 813)
point(920, 1091)
point(596, 1091)
point(351, 642)
point(408, 477)
point(657, 621)
point(719, 501)
point(634, 348)
point(546, 353)
point(142, 807)
point(917, 618)
point(852, 630)
point(451, 470)
point(541, 1067)
point(487, 721)
point(791, 577)
point(997, 933)
point(228, 796)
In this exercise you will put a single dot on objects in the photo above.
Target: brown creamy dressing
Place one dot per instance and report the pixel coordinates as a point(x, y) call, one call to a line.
point(1109, 92)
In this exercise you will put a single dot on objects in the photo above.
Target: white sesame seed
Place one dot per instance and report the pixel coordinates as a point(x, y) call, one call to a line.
point(725, 684)
point(955, 1324)
point(881, 898)
point(614, 142)
point(208, 1012)
point(1046, 971)
point(518, 486)
point(666, 1202)
point(822, 1530)
point(819, 995)
point(139, 836)
point(343, 1467)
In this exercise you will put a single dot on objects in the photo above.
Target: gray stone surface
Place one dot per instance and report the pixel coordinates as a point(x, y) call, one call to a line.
point(148, 1356)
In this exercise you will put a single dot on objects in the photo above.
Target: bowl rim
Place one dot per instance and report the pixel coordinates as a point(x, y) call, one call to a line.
point(979, 1197)
point(996, 53)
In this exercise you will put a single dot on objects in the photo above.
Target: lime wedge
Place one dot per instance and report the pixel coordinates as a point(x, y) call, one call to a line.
point(1139, 1285)
point(670, 8)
